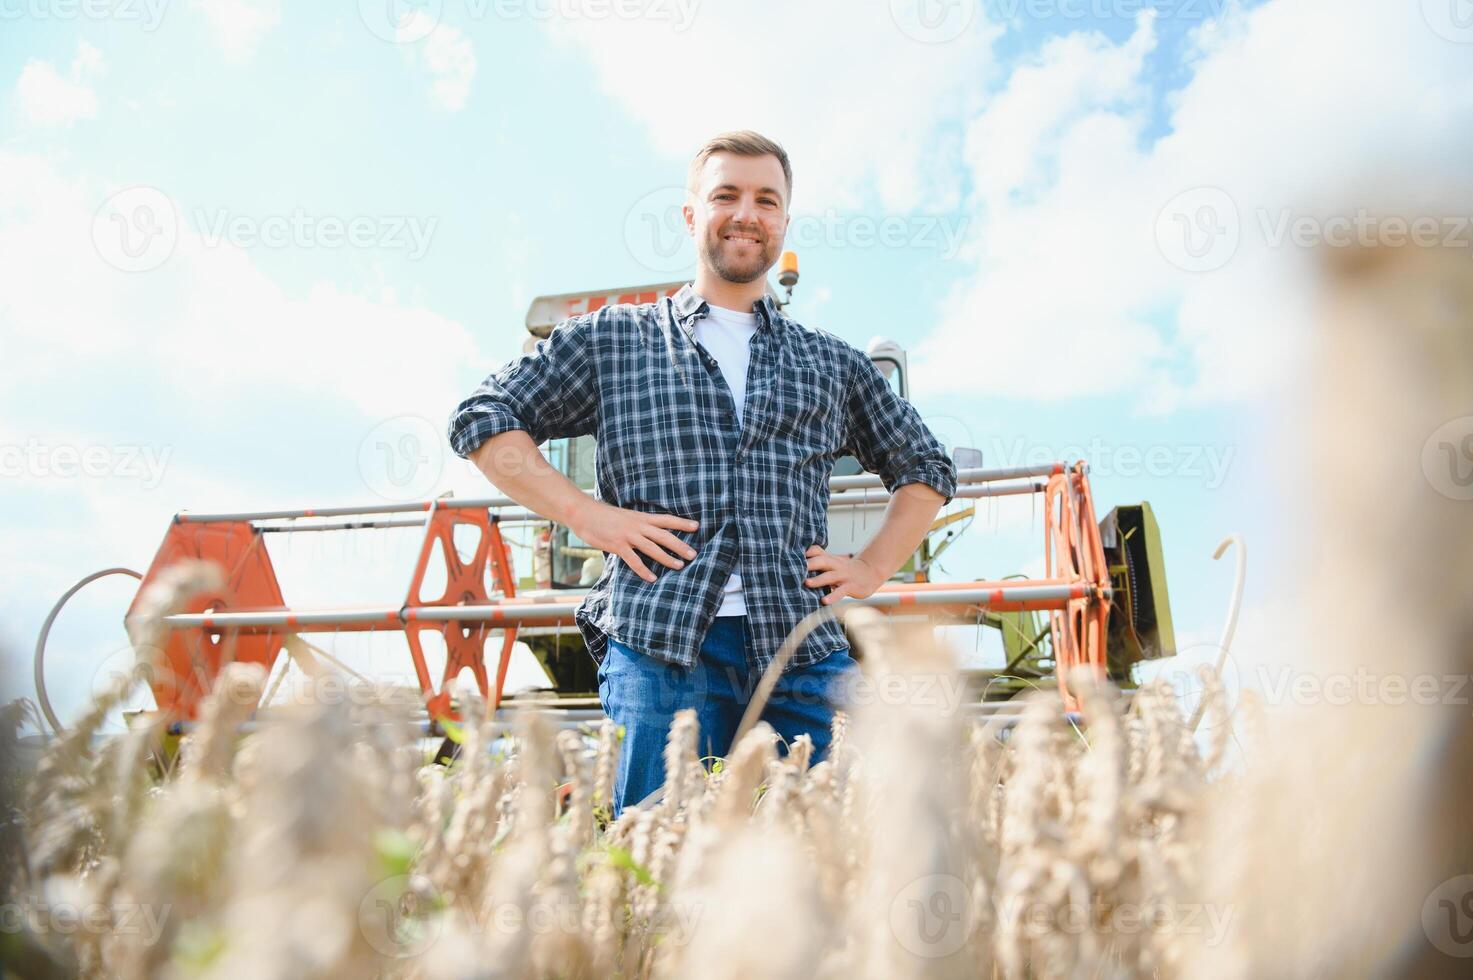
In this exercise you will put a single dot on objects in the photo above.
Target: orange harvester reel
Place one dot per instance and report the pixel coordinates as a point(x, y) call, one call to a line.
point(247, 619)
point(1075, 554)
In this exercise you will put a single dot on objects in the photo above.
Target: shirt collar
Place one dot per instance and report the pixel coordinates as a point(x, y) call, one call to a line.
point(689, 304)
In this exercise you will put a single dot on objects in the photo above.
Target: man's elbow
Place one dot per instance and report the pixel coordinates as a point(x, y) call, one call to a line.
point(922, 493)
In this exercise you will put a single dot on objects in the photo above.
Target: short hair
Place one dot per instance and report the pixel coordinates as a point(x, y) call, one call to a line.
point(744, 143)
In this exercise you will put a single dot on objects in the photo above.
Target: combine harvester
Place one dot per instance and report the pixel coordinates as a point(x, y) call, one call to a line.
point(1102, 601)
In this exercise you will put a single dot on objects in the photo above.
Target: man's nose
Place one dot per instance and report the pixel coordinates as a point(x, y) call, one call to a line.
point(746, 214)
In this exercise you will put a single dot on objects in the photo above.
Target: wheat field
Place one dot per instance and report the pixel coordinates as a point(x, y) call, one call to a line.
point(1275, 840)
point(324, 844)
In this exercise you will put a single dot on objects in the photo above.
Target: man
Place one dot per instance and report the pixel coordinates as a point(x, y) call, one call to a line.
point(718, 421)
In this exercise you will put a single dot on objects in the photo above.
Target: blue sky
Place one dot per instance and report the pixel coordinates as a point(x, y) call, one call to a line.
point(1033, 163)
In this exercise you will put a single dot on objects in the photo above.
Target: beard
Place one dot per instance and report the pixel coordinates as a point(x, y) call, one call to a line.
point(735, 263)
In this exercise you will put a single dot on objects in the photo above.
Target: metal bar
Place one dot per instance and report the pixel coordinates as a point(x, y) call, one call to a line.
point(851, 498)
point(868, 498)
point(409, 507)
point(340, 525)
point(282, 618)
point(838, 483)
point(513, 517)
point(963, 477)
point(1013, 594)
point(1023, 597)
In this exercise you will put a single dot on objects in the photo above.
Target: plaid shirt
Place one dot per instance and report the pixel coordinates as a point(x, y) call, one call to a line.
point(668, 441)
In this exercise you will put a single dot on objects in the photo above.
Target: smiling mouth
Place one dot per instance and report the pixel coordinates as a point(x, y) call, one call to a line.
point(741, 239)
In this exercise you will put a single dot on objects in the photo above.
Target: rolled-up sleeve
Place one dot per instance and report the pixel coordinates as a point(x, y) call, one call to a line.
point(886, 434)
point(551, 393)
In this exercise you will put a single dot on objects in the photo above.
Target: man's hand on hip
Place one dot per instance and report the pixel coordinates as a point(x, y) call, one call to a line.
point(628, 533)
point(852, 577)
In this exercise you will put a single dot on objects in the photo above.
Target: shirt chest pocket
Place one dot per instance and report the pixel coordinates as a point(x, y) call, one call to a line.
point(660, 442)
point(808, 405)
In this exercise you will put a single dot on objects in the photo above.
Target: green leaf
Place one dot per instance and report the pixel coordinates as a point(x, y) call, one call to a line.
point(620, 858)
point(395, 850)
point(197, 947)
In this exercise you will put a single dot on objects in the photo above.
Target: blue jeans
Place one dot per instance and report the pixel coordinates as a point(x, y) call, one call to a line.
point(643, 694)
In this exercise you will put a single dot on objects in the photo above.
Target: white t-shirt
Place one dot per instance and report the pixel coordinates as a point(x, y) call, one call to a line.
point(727, 336)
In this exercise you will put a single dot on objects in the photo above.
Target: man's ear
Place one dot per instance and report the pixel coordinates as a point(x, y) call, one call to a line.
point(689, 213)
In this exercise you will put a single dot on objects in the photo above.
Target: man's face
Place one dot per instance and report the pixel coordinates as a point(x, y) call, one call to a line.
point(739, 215)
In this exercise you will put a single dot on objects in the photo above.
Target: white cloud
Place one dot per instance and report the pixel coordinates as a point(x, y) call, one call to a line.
point(445, 53)
point(206, 341)
point(1299, 105)
point(207, 326)
point(857, 102)
point(46, 98)
point(239, 26)
point(1011, 142)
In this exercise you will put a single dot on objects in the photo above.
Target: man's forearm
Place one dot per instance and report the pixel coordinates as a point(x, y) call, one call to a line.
point(909, 515)
point(517, 467)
